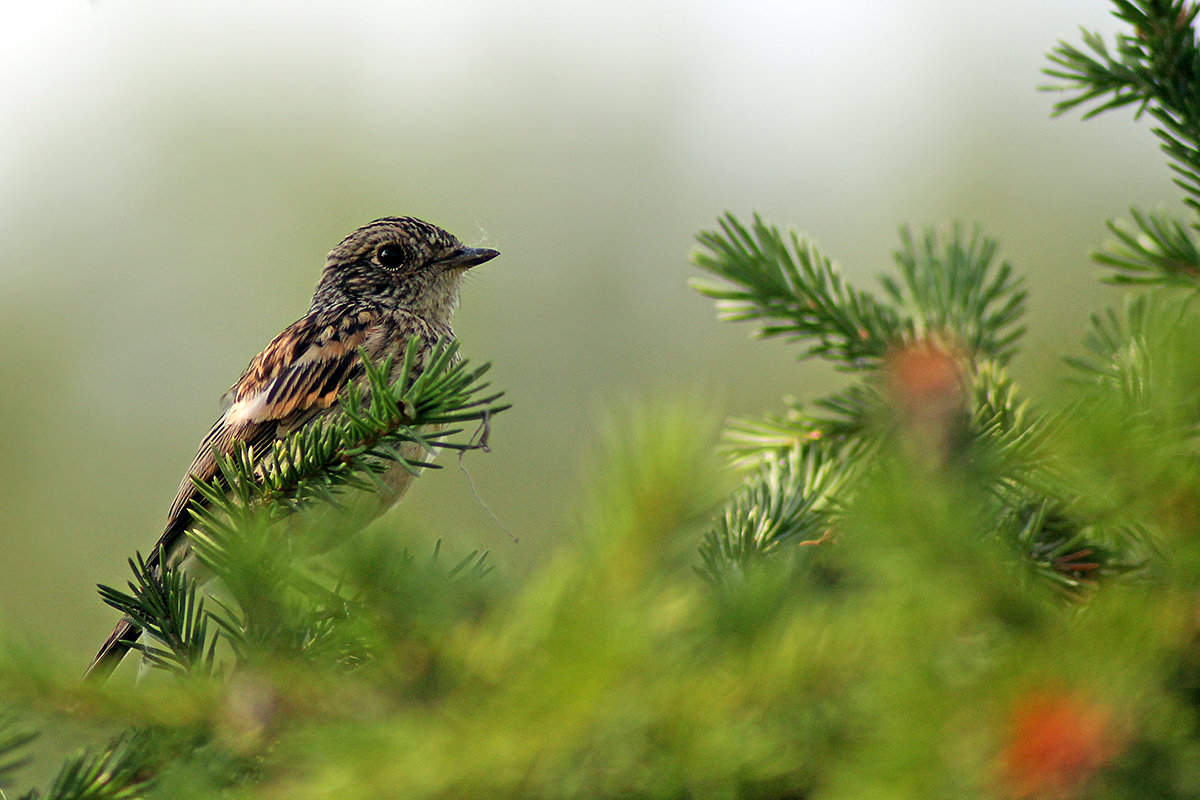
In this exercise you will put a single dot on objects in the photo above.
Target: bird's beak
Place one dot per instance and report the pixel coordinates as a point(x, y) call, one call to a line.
point(467, 257)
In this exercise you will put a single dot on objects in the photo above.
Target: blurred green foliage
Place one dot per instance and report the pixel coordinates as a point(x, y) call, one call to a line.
point(890, 663)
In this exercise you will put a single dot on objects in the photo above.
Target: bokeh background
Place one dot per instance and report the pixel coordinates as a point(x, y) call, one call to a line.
point(172, 174)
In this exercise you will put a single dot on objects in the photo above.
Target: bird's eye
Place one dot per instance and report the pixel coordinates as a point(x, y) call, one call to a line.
point(390, 256)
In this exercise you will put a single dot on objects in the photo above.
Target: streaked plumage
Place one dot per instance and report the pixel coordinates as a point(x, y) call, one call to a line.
point(387, 281)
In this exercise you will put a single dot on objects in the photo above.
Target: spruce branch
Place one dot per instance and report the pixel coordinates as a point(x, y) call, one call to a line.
point(1156, 68)
point(1068, 553)
point(1155, 249)
point(113, 772)
point(1092, 75)
point(948, 288)
point(305, 626)
point(1141, 349)
point(788, 500)
point(1015, 434)
point(796, 292)
point(840, 421)
point(951, 305)
point(166, 605)
point(1140, 361)
point(1117, 343)
point(351, 448)
point(846, 416)
point(337, 616)
point(751, 442)
point(1153, 68)
point(951, 287)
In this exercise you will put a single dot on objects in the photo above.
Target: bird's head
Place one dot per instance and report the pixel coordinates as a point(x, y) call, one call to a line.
point(399, 262)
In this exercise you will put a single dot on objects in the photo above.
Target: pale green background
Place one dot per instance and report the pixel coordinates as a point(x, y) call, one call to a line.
point(172, 174)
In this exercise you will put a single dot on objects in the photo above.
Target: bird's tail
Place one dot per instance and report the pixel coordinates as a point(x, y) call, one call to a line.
point(119, 642)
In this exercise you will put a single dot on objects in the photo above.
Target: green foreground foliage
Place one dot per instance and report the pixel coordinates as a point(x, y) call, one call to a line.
point(926, 585)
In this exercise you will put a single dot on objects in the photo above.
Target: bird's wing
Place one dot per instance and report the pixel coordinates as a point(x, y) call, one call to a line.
point(298, 375)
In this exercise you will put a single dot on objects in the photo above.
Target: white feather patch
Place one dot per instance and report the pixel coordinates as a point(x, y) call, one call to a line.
point(248, 410)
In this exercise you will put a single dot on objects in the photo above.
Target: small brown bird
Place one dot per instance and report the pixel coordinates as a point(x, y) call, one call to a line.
point(384, 283)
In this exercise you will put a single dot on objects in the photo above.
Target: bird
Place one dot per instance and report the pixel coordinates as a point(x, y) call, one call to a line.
point(390, 280)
